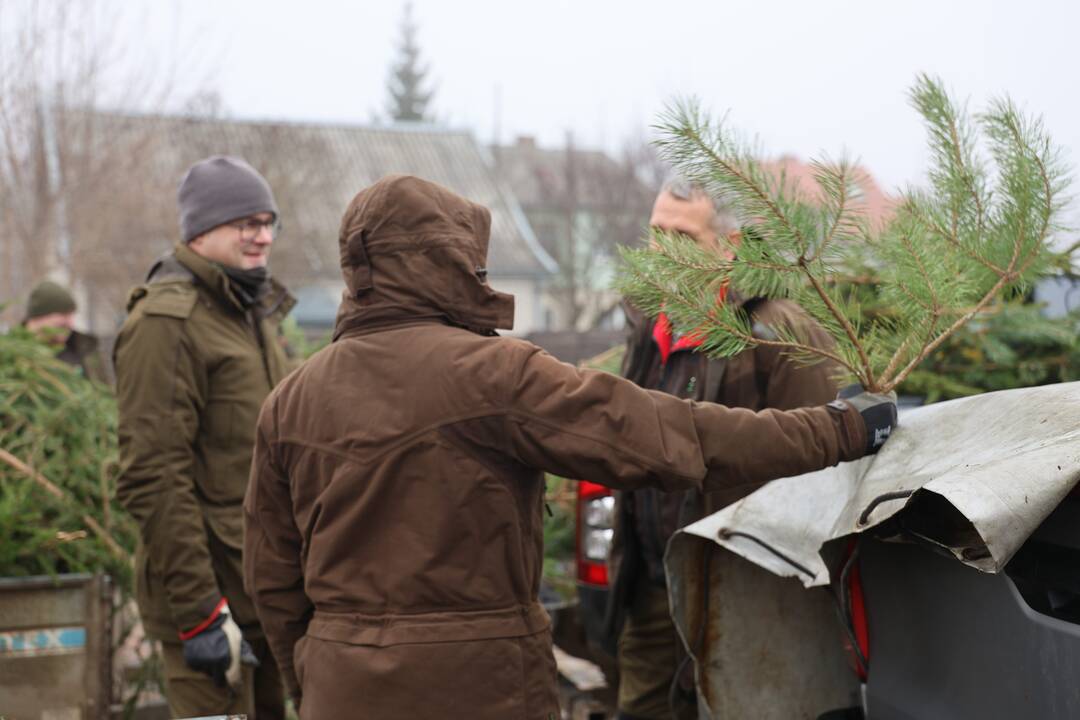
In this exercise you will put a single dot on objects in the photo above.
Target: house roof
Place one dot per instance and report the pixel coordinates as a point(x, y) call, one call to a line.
point(540, 177)
point(316, 169)
point(874, 203)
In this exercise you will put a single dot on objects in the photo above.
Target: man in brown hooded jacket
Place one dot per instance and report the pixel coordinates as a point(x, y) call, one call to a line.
point(393, 538)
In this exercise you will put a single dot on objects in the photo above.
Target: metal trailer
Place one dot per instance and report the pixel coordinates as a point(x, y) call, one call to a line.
point(949, 641)
point(944, 569)
point(55, 647)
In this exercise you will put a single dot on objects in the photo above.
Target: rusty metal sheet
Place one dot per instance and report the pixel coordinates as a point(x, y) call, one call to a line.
point(763, 646)
point(975, 476)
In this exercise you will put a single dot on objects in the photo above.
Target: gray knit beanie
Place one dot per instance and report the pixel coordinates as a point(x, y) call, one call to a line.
point(218, 190)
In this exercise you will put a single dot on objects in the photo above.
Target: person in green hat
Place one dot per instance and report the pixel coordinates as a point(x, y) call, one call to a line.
point(50, 315)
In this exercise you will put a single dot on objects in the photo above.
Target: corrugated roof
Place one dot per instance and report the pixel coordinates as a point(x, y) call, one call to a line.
point(316, 169)
point(541, 176)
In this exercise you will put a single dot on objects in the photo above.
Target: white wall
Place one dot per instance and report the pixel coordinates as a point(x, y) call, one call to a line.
point(529, 304)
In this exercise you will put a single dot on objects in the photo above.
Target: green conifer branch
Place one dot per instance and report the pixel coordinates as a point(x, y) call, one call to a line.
point(837, 184)
point(706, 155)
point(932, 345)
point(944, 258)
point(865, 372)
point(698, 273)
point(726, 169)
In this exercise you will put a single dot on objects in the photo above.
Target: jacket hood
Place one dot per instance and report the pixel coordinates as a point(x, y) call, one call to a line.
point(412, 250)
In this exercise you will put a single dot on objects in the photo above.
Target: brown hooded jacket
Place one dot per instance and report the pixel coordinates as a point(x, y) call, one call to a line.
point(393, 534)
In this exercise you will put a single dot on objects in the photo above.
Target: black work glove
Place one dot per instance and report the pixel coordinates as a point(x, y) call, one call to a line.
point(218, 650)
point(878, 413)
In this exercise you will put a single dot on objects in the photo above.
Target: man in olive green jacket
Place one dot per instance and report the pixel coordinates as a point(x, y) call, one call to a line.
point(197, 355)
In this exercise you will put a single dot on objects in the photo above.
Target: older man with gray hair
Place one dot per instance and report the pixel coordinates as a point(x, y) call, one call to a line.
point(655, 681)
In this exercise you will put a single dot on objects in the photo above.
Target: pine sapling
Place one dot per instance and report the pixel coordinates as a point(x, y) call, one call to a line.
point(979, 230)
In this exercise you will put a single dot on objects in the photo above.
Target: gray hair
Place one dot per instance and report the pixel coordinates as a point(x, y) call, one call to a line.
point(724, 220)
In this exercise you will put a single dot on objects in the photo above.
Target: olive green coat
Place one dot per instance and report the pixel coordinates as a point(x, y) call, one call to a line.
point(193, 368)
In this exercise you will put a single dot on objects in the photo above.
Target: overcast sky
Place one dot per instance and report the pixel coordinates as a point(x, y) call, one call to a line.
point(805, 77)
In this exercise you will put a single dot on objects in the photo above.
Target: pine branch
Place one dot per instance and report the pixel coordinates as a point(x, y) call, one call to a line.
point(944, 258)
point(842, 189)
point(691, 133)
point(897, 358)
point(865, 373)
point(953, 239)
point(682, 252)
point(1007, 275)
point(750, 339)
point(59, 494)
point(936, 342)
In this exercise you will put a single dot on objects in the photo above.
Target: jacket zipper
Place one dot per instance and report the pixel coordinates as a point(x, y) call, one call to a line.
point(651, 496)
point(255, 323)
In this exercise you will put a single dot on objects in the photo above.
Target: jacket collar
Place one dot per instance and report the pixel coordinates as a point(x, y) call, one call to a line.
point(666, 342)
point(663, 333)
point(276, 302)
point(209, 276)
point(81, 344)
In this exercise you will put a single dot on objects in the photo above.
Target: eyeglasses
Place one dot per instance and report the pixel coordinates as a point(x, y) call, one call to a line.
point(249, 229)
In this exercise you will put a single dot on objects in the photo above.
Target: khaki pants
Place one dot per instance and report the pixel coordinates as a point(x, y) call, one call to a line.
point(649, 654)
point(192, 694)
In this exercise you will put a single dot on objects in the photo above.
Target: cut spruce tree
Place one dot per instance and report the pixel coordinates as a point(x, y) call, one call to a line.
point(980, 231)
point(58, 467)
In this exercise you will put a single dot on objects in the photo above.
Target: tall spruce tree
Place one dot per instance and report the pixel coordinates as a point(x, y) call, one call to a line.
point(979, 232)
point(406, 85)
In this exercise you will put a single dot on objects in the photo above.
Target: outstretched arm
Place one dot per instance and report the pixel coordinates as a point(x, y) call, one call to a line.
point(582, 423)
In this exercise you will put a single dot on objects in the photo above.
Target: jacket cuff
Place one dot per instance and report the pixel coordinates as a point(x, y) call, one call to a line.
point(850, 430)
point(210, 612)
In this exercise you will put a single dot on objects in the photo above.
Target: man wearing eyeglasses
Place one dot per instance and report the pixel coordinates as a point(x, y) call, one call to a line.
point(197, 355)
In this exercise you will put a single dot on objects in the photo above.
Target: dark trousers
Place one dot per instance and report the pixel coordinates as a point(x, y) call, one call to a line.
point(649, 655)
